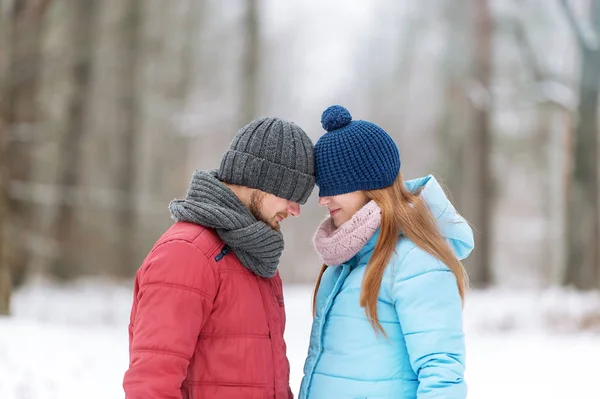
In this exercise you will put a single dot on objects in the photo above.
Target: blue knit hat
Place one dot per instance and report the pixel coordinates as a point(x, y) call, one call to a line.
point(353, 155)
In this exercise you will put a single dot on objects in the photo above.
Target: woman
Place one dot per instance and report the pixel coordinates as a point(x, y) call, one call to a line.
point(388, 301)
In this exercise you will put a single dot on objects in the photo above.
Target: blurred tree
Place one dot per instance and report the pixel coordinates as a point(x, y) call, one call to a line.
point(129, 129)
point(24, 26)
point(583, 212)
point(455, 121)
point(465, 133)
point(554, 104)
point(481, 152)
point(250, 106)
point(5, 275)
point(82, 25)
point(171, 71)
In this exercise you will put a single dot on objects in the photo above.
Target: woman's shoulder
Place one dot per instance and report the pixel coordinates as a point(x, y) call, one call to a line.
point(409, 260)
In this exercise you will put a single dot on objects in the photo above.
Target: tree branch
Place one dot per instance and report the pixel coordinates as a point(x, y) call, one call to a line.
point(542, 77)
point(588, 41)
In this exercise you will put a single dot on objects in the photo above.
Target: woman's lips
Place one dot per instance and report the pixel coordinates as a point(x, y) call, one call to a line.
point(333, 212)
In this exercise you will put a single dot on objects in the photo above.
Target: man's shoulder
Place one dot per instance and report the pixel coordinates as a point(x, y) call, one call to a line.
point(204, 238)
point(181, 257)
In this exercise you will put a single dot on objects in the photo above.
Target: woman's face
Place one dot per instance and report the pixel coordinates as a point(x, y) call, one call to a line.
point(343, 207)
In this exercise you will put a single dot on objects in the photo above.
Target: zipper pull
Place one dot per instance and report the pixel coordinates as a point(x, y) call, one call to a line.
point(223, 252)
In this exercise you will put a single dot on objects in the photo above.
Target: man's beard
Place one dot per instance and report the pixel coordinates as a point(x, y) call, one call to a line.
point(256, 199)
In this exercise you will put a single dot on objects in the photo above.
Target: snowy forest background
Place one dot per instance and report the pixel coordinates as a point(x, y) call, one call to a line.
point(107, 107)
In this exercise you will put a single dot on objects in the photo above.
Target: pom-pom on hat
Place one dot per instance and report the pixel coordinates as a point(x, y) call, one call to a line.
point(353, 155)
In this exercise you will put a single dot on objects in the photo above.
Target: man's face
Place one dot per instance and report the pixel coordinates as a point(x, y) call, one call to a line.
point(271, 209)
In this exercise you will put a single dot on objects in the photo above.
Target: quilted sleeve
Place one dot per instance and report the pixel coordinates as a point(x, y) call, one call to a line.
point(174, 298)
point(430, 312)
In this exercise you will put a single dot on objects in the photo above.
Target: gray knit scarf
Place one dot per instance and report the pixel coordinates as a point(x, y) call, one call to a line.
point(212, 204)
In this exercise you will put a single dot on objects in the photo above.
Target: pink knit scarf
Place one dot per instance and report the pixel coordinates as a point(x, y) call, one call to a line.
point(336, 246)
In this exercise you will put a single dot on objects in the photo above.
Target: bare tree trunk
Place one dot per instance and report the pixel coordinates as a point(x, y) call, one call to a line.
point(192, 28)
point(479, 171)
point(583, 223)
point(250, 64)
point(5, 275)
point(464, 133)
point(583, 214)
point(82, 31)
point(454, 124)
point(21, 110)
point(126, 215)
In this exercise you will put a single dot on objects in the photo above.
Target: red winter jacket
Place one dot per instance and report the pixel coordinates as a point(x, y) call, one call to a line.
point(203, 326)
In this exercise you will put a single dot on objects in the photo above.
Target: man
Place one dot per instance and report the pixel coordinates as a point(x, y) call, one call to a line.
point(208, 315)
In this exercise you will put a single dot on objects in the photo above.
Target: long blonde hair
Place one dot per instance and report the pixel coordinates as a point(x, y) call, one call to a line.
point(403, 212)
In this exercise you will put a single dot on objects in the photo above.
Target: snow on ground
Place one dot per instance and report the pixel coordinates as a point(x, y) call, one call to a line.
point(71, 342)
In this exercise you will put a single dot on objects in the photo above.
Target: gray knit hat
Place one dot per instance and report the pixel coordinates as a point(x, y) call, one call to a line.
point(272, 155)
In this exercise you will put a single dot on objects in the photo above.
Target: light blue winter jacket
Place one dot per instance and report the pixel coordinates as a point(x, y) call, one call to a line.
point(419, 308)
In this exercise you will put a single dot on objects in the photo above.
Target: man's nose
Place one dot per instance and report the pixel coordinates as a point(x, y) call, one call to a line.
point(294, 208)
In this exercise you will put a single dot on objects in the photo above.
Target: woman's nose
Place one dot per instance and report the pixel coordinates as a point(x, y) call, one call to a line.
point(324, 201)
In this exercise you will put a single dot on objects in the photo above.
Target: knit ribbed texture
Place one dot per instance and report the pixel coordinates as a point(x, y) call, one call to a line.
point(212, 204)
point(353, 155)
point(336, 246)
point(272, 155)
